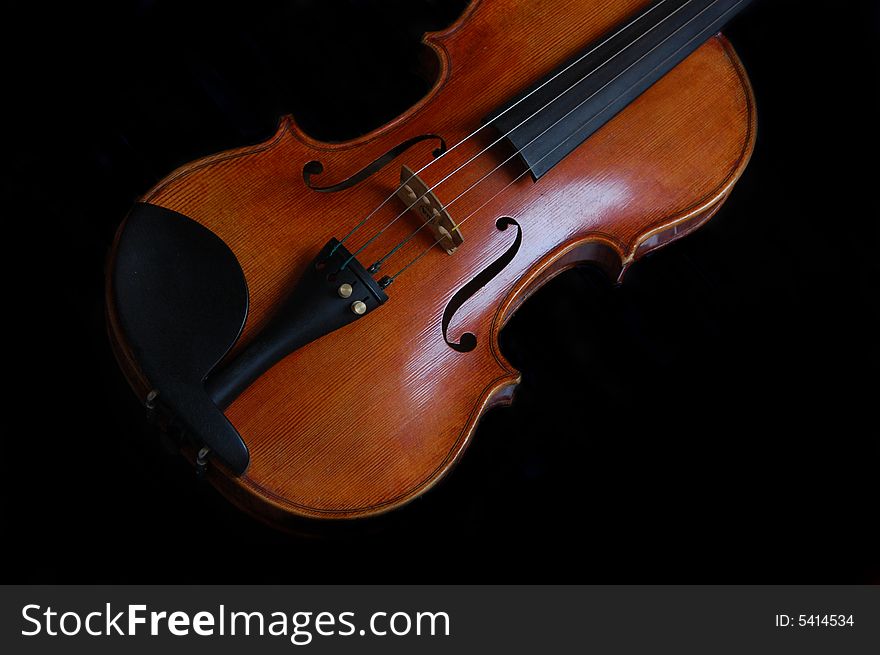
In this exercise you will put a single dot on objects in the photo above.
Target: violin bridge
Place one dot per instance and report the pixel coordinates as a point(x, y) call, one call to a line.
point(417, 195)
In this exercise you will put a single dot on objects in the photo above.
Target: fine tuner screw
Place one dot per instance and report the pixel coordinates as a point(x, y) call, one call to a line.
point(344, 290)
point(359, 307)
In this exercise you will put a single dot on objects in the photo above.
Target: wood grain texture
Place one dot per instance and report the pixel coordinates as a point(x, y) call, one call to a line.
point(372, 415)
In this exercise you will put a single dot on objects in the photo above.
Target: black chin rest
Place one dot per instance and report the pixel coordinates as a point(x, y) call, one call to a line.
point(181, 300)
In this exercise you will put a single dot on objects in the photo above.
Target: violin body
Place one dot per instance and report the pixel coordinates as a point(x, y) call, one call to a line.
point(373, 414)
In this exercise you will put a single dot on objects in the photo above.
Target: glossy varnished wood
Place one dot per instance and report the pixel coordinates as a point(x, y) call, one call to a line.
point(372, 415)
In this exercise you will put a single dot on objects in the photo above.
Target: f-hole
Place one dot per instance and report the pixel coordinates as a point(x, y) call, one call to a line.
point(468, 340)
point(315, 167)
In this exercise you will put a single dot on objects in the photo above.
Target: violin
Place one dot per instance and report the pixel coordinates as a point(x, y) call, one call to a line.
point(318, 323)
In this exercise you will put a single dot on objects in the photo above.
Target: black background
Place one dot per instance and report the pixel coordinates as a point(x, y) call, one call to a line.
point(713, 419)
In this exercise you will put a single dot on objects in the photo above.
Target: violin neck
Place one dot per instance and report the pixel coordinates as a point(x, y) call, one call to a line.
point(551, 119)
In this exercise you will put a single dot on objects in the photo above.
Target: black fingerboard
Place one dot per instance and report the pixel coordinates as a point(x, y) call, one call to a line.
point(555, 116)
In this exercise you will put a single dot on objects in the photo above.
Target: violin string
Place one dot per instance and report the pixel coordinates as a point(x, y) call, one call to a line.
point(484, 177)
point(418, 257)
point(375, 267)
point(363, 221)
